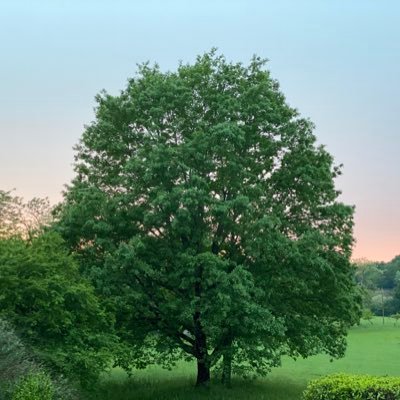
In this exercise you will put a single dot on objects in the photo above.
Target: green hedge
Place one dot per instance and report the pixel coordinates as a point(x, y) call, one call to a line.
point(353, 387)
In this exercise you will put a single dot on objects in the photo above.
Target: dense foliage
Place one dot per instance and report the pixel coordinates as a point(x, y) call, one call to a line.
point(380, 283)
point(34, 386)
point(52, 308)
point(374, 275)
point(353, 387)
point(207, 217)
point(15, 361)
point(19, 369)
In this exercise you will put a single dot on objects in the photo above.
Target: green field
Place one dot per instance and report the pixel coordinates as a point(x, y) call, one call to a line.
point(372, 349)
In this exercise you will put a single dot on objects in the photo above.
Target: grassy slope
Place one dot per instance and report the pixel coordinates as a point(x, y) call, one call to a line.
point(372, 349)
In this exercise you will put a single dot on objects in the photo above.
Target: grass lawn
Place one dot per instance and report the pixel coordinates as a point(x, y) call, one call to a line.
point(372, 349)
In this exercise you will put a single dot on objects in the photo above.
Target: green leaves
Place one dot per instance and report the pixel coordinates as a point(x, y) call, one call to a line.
point(52, 307)
point(208, 218)
point(352, 387)
point(35, 386)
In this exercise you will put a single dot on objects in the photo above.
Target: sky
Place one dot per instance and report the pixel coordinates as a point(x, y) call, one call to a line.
point(337, 62)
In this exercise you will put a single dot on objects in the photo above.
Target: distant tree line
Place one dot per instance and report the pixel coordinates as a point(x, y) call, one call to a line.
point(380, 283)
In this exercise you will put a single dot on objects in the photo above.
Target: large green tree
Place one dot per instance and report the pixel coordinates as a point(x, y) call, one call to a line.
point(205, 212)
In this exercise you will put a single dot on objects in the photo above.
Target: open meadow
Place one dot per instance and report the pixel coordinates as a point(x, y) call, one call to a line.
point(372, 349)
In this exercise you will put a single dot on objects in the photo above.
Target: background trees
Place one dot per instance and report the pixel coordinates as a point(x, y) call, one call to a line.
point(380, 283)
point(44, 297)
point(20, 218)
point(207, 216)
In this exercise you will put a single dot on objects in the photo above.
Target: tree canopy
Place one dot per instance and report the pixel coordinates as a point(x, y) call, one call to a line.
point(207, 216)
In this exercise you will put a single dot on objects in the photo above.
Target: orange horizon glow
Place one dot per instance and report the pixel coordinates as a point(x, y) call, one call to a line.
point(363, 251)
point(375, 247)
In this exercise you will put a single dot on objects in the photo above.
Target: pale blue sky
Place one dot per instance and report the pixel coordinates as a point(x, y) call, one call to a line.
point(337, 61)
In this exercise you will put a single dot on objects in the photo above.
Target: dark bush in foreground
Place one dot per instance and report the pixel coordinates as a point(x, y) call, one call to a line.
point(22, 378)
point(15, 361)
point(349, 387)
point(35, 386)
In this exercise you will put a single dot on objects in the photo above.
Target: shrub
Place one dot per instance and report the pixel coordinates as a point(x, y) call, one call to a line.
point(54, 310)
point(368, 315)
point(17, 366)
point(34, 386)
point(15, 361)
point(353, 387)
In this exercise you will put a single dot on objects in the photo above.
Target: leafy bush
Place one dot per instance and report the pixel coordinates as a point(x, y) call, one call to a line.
point(17, 364)
point(34, 386)
point(356, 387)
point(54, 310)
point(15, 361)
point(368, 315)
point(396, 317)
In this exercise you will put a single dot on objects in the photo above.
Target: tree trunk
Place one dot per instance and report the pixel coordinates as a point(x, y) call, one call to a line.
point(203, 373)
point(203, 365)
point(227, 361)
point(227, 368)
point(200, 339)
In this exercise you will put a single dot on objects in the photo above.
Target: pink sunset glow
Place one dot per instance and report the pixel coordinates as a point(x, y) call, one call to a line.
point(336, 62)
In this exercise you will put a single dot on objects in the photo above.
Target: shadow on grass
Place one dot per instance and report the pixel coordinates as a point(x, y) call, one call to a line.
point(183, 389)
